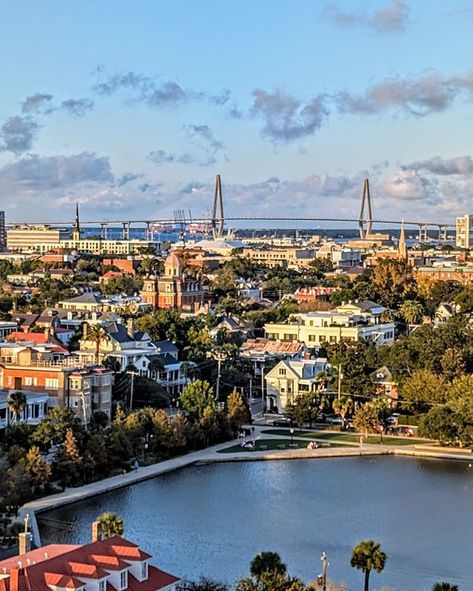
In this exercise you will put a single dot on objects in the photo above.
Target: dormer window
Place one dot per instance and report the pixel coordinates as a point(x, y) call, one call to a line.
point(144, 571)
point(123, 580)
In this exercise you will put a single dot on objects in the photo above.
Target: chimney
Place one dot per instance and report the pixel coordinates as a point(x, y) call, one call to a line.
point(96, 531)
point(24, 543)
point(15, 579)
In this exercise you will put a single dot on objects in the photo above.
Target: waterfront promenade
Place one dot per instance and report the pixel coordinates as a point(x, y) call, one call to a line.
point(213, 455)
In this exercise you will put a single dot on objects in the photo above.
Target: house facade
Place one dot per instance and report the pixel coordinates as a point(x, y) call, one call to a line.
point(67, 382)
point(353, 321)
point(291, 378)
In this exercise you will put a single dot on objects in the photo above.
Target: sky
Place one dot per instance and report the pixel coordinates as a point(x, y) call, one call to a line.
point(131, 108)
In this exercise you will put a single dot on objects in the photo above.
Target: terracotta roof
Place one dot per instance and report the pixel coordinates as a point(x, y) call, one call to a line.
point(65, 566)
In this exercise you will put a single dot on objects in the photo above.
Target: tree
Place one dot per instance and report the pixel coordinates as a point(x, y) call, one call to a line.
point(411, 311)
point(424, 388)
point(203, 584)
point(98, 335)
point(453, 364)
point(267, 562)
point(367, 556)
point(391, 282)
point(443, 586)
point(70, 460)
point(237, 412)
point(366, 418)
point(54, 426)
point(440, 423)
point(343, 406)
point(16, 404)
point(34, 465)
point(111, 525)
point(197, 396)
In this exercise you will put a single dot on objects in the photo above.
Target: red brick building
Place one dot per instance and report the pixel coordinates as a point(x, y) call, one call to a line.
point(174, 289)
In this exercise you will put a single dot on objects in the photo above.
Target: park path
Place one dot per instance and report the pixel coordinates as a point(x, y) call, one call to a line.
point(212, 455)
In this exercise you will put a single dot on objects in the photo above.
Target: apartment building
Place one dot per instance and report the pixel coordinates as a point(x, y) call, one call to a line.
point(292, 378)
point(464, 231)
point(3, 234)
point(448, 272)
point(281, 256)
point(66, 380)
point(352, 321)
point(34, 238)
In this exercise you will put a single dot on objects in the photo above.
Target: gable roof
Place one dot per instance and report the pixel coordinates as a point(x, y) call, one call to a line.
point(68, 565)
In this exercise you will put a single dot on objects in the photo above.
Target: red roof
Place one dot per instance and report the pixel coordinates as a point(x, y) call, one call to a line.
point(68, 566)
point(38, 338)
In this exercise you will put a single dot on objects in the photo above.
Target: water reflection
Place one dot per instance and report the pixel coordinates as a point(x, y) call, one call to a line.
point(212, 519)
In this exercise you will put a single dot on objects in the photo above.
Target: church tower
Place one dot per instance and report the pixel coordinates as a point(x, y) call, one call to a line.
point(76, 228)
point(402, 246)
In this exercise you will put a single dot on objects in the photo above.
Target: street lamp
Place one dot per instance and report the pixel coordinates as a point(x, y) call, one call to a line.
point(325, 563)
point(291, 431)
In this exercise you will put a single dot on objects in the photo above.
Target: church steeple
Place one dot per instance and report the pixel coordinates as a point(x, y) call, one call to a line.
point(76, 229)
point(402, 246)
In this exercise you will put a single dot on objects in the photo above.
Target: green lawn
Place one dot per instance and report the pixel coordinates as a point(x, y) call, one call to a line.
point(269, 444)
point(346, 437)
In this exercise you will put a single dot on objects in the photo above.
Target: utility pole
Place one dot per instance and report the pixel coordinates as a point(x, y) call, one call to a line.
point(340, 376)
point(132, 386)
point(219, 356)
point(262, 391)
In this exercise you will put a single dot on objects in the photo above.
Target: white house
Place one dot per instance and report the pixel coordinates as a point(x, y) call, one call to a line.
point(290, 379)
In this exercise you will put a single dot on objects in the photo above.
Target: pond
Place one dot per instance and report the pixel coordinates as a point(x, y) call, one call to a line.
point(211, 520)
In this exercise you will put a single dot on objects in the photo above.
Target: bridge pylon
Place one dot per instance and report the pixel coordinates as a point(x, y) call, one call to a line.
point(365, 203)
point(217, 222)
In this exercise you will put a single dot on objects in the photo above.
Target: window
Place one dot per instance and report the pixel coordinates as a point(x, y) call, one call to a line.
point(101, 585)
point(28, 381)
point(105, 396)
point(124, 579)
point(144, 570)
point(312, 337)
point(52, 383)
point(282, 371)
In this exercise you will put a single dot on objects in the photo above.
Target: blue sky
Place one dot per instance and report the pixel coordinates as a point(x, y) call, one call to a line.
point(131, 108)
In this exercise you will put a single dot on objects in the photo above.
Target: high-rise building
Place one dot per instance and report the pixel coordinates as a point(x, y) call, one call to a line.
point(465, 231)
point(3, 234)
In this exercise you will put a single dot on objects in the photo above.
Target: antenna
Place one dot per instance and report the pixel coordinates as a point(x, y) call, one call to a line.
point(365, 202)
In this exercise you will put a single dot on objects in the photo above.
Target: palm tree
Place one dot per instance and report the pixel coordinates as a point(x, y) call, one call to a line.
point(366, 556)
point(16, 404)
point(411, 311)
point(267, 562)
point(443, 586)
point(97, 334)
point(343, 406)
point(111, 525)
point(155, 366)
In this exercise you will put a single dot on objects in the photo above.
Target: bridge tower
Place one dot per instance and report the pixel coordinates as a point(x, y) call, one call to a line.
point(365, 204)
point(218, 220)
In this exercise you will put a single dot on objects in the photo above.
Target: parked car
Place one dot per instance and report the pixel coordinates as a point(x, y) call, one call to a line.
point(334, 420)
point(282, 422)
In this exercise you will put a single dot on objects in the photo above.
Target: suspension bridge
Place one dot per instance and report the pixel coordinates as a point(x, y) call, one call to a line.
point(217, 220)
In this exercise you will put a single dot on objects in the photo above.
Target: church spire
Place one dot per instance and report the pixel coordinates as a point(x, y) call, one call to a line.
point(76, 229)
point(402, 246)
